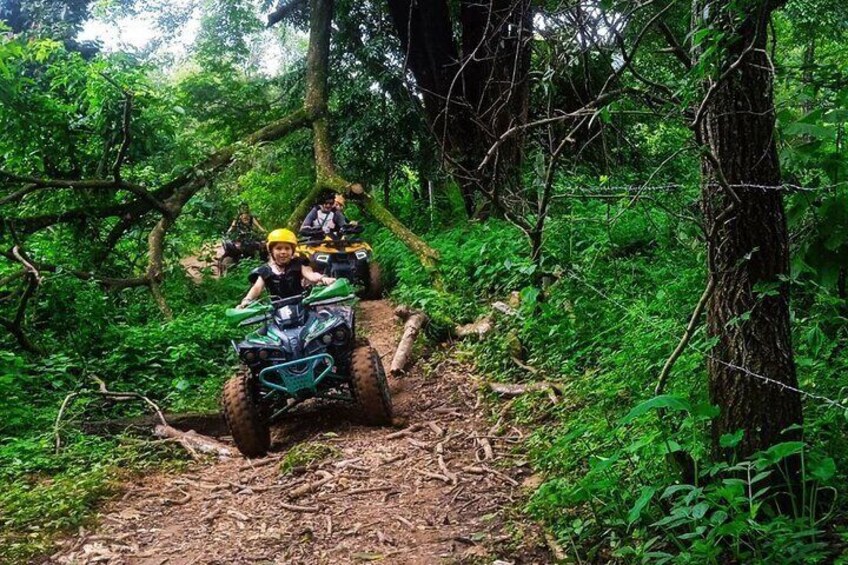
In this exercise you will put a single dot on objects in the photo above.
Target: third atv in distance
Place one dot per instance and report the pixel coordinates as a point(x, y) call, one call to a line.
point(343, 255)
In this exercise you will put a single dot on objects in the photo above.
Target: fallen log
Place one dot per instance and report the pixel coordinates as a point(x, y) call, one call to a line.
point(479, 328)
point(404, 312)
point(205, 423)
point(106, 393)
point(510, 390)
point(505, 309)
point(193, 442)
point(403, 353)
point(484, 324)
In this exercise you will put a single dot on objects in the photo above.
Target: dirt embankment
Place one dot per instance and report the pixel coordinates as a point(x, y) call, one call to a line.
point(441, 487)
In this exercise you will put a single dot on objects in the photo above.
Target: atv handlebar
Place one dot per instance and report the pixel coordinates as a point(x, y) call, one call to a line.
point(350, 229)
point(263, 310)
point(311, 232)
point(316, 236)
point(280, 302)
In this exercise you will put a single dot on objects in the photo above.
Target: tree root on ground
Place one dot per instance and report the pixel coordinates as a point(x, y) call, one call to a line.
point(193, 442)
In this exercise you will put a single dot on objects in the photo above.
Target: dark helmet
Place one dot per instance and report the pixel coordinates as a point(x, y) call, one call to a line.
point(243, 206)
point(326, 196)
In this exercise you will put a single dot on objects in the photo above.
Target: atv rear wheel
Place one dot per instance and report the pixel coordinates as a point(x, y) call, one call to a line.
point(374, 288)
point(225, 263)
point(250, 430)
point(370, 387)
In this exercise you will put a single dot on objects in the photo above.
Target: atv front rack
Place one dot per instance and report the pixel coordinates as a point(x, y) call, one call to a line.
point(297, 380)
point(297, 377)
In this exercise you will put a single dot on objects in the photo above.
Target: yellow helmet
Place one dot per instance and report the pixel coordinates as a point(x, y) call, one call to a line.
point(281, 236)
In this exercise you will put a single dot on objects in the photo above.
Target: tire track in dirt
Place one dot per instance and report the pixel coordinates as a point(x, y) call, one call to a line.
point(442, 487)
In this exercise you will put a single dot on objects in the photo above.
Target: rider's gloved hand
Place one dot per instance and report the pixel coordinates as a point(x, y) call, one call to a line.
point(243, 304)
point(327, 281)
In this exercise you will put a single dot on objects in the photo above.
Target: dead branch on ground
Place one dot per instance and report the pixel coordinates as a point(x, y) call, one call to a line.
point(403, 352)
point(193, 442)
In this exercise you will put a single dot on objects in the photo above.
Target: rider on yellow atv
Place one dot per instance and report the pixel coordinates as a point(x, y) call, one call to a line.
point(325, 215)
point(335, 248)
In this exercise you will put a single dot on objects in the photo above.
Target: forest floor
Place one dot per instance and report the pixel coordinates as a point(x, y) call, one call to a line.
point(444, 486)
point(195, 265)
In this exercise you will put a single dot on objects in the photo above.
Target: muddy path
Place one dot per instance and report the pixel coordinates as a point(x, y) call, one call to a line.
point(204, 261)
point(439, 487)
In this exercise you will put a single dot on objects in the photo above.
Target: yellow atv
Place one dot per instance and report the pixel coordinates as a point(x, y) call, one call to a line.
point(343, 255)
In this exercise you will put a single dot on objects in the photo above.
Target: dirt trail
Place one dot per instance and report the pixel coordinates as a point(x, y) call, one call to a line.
point(439, 488)
point(195, 265)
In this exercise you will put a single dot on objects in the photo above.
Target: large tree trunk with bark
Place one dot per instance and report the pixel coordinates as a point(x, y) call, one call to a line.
point(748, 248)
point(474, 88)
point(326, 174)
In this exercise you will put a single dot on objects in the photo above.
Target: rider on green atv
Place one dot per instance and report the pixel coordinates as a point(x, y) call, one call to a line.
point(285, 272)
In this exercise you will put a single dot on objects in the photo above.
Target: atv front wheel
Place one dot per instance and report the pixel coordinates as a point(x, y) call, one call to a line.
point(250, 430)
point(370, 387)
point(374, 288)
point(225, 263)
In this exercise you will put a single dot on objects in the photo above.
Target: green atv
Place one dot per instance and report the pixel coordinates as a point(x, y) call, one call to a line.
point(307, 348)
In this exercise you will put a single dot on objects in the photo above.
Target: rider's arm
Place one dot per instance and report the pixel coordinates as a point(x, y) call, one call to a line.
point(232, 227)
point(258, 225)
point(254, 292)
point(313, 277)
point(339, 219)
point(309, 219)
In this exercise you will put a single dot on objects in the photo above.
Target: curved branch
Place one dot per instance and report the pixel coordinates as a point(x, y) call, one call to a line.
point(35, 183)
point(426, 254)
point(125, 144)
point(687, 335)
point(283, 11)
point(674, 45)
point(110, 283)
point(15, 325)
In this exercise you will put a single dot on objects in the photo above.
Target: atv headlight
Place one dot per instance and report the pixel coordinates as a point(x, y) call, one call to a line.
point(340, 336)
point(361, 255)
point(322, 257)
point(249, 355)
point(263, 354)
point(327, 338)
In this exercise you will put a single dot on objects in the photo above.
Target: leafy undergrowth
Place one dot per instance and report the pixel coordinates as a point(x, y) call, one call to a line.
point(180, 365)
point(599, 320)
point(613, 309)
point(304, 454)
point(46, 495)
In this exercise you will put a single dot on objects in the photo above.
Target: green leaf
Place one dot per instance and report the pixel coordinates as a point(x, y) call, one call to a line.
point(731, 440)
point(823, 470)
point(700, 510)
point(705, 410)
point(718, 517)
point(666, 401)
point(700, 35)
point(810, 130)
point(641, 502)
point(783, 450)
point(674, 489)
point(760, 476)
point(529, 295)
point(181, 384)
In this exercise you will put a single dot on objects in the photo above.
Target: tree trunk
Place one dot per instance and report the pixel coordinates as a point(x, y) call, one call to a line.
point(474, 88)
point(386, 185)
point(748, 250)
point(317, 59)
